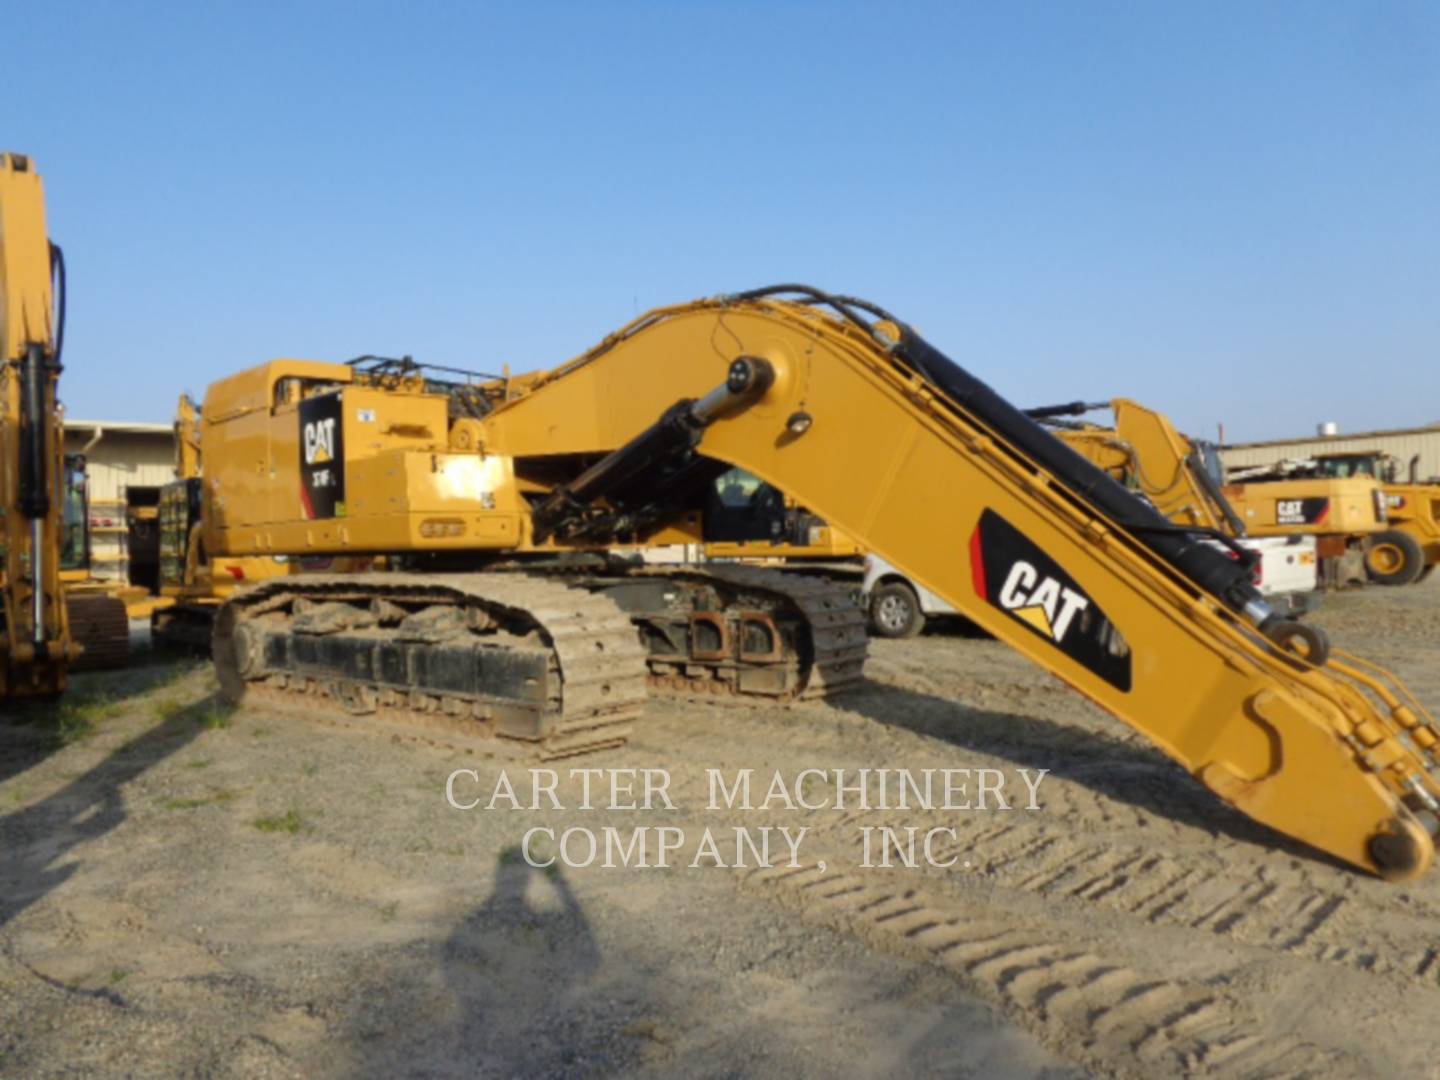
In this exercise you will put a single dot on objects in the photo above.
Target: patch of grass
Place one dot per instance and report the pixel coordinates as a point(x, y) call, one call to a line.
point(118, 975)
point(387, 911)
point(213, 718)
point(220, 796)
point(183, 804)
point(167, 709)
point(646, 1029)
point(288, 822)
point(200, 763)
point(257, 732)
point(309, 769)
point(75, 717)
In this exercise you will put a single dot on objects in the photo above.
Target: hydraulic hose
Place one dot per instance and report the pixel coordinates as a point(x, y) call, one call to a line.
point(57, 272)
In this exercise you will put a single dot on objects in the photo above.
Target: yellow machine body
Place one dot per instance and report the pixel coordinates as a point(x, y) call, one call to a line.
point(306, 458)
point(824, 543)
point(797, 535)
point(1318, 507)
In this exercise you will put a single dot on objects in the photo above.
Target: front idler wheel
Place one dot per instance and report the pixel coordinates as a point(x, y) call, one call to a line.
point(233, 649)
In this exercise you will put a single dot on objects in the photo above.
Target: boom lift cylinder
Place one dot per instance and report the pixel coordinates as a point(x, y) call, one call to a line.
point(677, 431)
point(34, 493)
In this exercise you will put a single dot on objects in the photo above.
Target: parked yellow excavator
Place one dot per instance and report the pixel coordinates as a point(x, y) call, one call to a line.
point(44, 632)
point(490, 500)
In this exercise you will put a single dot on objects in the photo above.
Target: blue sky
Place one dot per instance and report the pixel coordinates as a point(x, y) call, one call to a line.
point(1223, 210)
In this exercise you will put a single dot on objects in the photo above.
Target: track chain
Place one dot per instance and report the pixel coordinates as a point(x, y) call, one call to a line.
point(592, 645)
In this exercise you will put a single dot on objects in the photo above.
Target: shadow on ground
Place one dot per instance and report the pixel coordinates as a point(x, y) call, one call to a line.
point(506, 990)
point(33, 730)
point(522, 987)
point(38, 838)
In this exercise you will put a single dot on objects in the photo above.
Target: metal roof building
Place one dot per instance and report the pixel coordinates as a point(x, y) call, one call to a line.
point(125, 466)
point(1403, 443)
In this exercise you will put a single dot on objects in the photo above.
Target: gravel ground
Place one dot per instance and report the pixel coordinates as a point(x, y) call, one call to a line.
point(187, 890)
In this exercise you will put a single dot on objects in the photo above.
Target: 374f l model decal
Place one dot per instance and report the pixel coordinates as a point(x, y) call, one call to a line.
point(322, 457)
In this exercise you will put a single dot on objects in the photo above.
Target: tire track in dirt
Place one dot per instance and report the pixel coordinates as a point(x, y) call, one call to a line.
point(1197, 865)
point(1222, 890)
point(1108, 1012)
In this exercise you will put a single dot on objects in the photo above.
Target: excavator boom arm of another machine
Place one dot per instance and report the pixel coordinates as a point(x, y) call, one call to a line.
point(44, 631)
point(870, 427)
point(35, 632)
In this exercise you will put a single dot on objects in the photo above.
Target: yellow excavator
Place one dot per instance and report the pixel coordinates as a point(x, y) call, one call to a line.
point(491, 499)
point(43, 632)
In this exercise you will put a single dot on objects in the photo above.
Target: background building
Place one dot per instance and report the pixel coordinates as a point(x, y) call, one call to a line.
point(1404, 443)
point(125, 466)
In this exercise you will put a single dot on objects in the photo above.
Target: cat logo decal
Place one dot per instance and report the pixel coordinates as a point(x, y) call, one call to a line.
point(1012, 573)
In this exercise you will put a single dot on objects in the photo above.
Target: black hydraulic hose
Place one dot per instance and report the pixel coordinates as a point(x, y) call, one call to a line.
point(1071, 408)
point(816, 296)
point(57, 273)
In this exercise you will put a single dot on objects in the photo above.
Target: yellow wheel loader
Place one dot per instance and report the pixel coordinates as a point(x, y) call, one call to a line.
point(1408, 549)
point(43, 632)
point(489, 499)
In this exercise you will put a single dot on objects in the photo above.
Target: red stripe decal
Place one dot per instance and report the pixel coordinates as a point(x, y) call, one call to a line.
point(977, 565)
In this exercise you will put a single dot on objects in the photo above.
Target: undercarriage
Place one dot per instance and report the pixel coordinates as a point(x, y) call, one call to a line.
point(553, 662)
